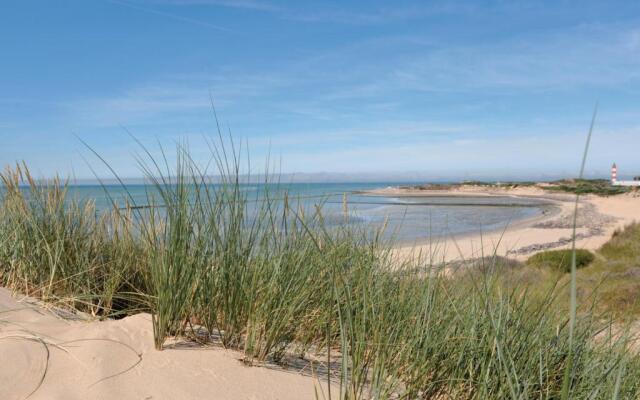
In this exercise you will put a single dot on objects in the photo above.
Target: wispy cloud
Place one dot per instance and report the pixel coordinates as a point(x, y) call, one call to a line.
point(325, 12)
point(165, 14)
point(341, 86)
point(585, 56)
point(138, 105)
point(377, 14)
point(242, 4)
point(358, 85)
point(173, 97)
point(530, 153)
point(589, 55)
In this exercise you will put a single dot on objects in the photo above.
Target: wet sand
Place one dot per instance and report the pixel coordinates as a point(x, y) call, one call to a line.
point(598, 218)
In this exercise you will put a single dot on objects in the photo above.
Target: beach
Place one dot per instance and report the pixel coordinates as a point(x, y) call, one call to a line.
point(353, 200)
point(58, 354)
point(598, 218)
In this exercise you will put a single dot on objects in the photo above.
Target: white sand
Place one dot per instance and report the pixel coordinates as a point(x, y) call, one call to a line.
point(82, 354)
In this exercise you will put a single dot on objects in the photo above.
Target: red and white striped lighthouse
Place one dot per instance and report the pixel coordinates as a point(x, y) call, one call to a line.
point(614, 173)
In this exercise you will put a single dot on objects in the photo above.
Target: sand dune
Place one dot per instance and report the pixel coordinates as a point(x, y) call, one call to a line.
point(116, 360)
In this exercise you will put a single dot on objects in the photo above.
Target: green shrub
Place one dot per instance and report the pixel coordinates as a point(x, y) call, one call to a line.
point(561, 259)
point(601, 187)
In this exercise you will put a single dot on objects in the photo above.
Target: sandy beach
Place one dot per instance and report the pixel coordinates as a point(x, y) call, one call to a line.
point(345, 200)
point(598, 218)
point(70, 358)
point(60, 355)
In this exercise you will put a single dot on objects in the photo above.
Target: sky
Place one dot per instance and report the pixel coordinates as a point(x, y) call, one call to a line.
point(426, 89)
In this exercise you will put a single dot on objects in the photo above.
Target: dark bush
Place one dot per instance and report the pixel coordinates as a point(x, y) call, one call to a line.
point(560, 260)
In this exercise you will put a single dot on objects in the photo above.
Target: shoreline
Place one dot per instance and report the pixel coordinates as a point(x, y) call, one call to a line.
point(598, 218)
point(550, 211)
point(68, 356)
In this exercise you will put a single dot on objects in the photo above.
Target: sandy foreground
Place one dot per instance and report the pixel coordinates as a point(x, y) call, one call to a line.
point(598, 218)
point(116, 360)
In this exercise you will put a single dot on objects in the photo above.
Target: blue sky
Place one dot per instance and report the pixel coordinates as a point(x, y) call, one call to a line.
point(443, 88)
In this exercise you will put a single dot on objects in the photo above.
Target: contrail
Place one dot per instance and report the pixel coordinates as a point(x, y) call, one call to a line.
point(168, 15)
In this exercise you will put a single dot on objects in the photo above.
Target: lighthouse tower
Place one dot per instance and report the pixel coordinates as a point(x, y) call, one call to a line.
point(615, 182)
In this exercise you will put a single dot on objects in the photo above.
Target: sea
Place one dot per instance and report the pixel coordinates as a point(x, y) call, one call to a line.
point(408, 220)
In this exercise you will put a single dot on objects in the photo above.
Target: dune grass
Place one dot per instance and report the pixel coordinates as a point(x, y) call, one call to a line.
point(609, 283)
point(265, 276)
point(614, 277)
point(61, 250)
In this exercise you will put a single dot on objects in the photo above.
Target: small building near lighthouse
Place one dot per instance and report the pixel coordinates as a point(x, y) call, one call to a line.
point(615, 182)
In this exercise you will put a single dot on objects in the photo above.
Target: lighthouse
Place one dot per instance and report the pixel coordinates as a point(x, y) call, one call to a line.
point(615, 182)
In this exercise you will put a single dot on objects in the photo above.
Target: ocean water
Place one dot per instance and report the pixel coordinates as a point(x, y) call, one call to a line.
point(406, 219)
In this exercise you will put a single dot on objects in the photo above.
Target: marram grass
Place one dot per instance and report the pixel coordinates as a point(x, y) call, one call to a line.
point(265, 277)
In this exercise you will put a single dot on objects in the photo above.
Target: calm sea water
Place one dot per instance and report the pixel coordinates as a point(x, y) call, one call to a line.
point(408, 219)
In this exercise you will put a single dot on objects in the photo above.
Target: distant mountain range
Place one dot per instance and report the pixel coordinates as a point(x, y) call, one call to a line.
point(365, 177)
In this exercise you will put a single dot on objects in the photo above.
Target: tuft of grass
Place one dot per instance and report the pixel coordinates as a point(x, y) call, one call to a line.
point(560, 260)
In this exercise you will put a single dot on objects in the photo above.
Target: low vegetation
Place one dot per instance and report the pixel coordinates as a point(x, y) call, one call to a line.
point(614, 277)
point(266, 276)
point(601, 187)
point(450, 186)
point(560, 260)
point(609, 280)
point(505, 184)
